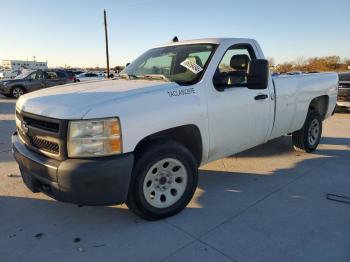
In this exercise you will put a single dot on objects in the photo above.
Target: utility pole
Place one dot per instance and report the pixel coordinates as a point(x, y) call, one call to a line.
point(106, 37)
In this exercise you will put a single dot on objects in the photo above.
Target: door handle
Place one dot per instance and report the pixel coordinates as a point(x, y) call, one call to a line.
point(261, 97)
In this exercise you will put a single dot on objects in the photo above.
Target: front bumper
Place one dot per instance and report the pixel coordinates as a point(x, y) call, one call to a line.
point(98, 181)
point(4, 90)
point(343, 104)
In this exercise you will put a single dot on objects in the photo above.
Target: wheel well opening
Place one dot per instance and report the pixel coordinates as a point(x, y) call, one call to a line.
point(320, 104)
point(19, 86)
point(187, 135)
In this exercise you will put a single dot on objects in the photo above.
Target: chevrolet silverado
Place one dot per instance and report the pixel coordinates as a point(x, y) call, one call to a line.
point(140, 139)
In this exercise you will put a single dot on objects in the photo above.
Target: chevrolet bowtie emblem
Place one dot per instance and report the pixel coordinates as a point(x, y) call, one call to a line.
point(24, 127)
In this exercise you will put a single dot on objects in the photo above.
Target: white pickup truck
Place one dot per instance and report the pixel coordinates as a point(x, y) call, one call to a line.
point(140, 139)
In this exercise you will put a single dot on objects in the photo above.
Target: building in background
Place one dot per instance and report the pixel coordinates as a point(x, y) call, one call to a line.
point(21, 64)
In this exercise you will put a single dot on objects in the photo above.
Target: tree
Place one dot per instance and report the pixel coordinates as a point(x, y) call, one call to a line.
point(271, 61)
point(347, 61)
point(300, 61)
point(284, 68)
point(314, 64)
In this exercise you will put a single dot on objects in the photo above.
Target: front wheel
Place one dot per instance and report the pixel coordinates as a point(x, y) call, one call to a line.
point(164, 181)
point(308, 138)
point(17, 91)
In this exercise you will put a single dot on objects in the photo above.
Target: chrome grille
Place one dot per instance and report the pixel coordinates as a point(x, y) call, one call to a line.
point(45, 145)
point(52, 127)
point(40, 133)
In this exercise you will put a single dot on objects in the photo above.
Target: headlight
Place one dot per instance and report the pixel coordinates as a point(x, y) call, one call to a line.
point(5, 83)
point(89, 138)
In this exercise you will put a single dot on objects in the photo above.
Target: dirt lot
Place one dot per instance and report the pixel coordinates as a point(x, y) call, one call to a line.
point(266, 204)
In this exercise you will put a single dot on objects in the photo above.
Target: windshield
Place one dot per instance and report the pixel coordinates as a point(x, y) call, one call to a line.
point(24, 75)
point(184, 64)
point(344, 77)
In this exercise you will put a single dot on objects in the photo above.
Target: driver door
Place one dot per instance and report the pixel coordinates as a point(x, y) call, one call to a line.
point(239, 118)
point(36, 81)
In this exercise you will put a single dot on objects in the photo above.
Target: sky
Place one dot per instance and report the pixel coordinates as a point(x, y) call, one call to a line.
point(71, 32)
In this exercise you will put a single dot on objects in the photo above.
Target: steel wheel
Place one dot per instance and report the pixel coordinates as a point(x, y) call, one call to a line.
point(313, 132)
point(308, 137)
point(165, 183)
point(17, 92)
point(164, 179)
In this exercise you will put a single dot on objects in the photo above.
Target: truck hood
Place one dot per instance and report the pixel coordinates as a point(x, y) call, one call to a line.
point(73, 101)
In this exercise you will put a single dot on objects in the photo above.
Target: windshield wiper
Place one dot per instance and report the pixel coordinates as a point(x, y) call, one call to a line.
point(129, 77)
point(156, 77)
point(147, 76)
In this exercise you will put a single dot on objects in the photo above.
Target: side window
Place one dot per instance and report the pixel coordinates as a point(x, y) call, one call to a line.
point(232, 69)
point(40, 75)
point(62, 74)
point(32, 76)
point(52, 75)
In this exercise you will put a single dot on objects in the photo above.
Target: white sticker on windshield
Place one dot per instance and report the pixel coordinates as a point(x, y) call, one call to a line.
point(193, 67)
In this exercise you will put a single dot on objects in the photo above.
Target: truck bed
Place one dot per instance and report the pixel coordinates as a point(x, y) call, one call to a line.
point(294, 94)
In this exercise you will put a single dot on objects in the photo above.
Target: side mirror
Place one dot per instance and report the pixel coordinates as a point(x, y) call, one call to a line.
point(258, 74)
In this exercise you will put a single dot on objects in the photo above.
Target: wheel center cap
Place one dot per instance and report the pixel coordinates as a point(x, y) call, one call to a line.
point(162, 180)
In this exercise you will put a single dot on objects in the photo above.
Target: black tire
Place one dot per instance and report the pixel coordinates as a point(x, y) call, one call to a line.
point(17, 91)
point(301, 137)
point(152, 154)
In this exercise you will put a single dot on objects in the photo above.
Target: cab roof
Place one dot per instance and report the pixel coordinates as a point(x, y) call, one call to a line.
point(218, 40)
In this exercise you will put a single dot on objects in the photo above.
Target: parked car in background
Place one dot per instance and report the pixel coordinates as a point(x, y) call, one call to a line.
point(112, 73)
point(9, 74)
point(89, 76)
point(294, 73)
point(344, 90)
point(70, 75)
point(78, 72)
point(34, 80)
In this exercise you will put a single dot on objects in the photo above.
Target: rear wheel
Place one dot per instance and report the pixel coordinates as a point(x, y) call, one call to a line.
point(17, 91)
point(308, 138)
point(164, 181)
